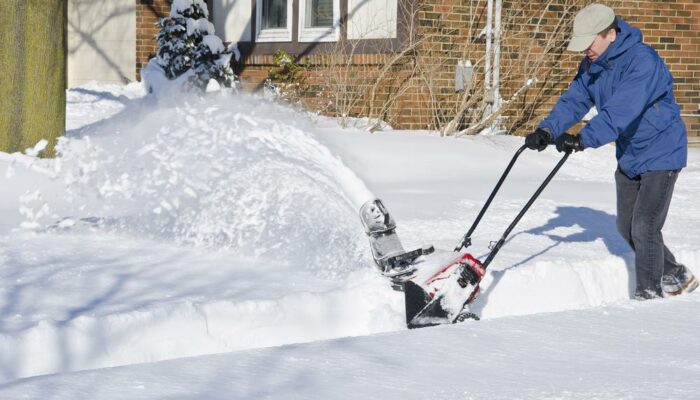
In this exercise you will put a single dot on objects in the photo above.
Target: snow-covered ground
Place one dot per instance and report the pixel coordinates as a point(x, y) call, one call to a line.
point(226, 228)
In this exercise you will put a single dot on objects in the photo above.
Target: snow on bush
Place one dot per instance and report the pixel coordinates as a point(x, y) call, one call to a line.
point(187, 42)
point(213, 62)
point(157, 82)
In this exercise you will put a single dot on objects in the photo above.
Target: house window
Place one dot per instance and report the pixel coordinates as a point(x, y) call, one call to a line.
point(274, 14)
point(319, 20)
point(274, 20)
point(320, 14)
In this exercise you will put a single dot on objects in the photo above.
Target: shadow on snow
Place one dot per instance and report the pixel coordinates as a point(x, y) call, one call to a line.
point(593, 224)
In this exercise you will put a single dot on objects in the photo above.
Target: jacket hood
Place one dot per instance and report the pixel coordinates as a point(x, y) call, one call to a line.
point(627, 37)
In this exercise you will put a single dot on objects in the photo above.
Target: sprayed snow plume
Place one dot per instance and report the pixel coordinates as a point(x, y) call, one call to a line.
point(226, 171)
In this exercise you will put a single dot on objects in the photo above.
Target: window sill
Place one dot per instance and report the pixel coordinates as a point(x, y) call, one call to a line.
point(274, 35)
point(312, 35)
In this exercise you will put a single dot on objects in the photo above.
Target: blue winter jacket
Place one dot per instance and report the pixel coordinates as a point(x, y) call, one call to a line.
point(632, 90)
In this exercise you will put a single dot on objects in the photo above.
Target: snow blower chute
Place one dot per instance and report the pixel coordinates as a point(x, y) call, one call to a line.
point(438, 285)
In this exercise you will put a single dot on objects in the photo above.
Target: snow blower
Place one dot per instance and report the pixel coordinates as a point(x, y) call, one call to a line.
point(438, 285)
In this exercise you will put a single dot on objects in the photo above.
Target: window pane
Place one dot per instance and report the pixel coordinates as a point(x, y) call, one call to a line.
point(319, 13)
point(274, 14)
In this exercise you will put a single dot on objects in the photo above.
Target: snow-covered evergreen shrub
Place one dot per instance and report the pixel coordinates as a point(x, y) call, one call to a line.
point(187, 41)
point(213, 62)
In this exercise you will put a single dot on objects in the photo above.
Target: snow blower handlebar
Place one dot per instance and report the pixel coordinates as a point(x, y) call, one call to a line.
point(466, 242)
point(534, 197)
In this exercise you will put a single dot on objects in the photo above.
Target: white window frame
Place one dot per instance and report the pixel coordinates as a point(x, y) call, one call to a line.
point(331, 34)
point(273, 35)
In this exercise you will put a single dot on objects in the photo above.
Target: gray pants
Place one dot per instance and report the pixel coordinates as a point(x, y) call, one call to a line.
point(642, 206)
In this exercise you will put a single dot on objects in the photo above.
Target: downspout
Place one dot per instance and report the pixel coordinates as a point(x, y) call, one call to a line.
point(497, 58)
point(487, 67)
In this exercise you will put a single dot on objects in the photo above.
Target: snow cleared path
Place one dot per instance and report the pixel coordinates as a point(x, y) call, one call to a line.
point(230, 225)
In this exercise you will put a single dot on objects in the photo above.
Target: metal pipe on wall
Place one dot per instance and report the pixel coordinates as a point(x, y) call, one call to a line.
point(497, 57)
point(487, 66)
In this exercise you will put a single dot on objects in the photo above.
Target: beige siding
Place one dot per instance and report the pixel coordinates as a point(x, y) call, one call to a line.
point(372, 19)
point(101, 41)
point(232, 19)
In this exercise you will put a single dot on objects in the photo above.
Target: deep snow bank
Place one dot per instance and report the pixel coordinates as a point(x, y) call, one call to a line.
point(631, 351)
point(75, 302)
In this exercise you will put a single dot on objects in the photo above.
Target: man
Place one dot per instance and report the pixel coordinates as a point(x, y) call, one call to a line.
point(632, 90)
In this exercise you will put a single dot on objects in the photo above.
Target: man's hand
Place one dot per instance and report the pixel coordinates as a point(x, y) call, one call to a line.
point(537, 140)
point(566, 143)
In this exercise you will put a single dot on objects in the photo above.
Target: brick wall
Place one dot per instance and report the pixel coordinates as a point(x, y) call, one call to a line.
point(419, 91)
point(672, 28)
point(147, 14)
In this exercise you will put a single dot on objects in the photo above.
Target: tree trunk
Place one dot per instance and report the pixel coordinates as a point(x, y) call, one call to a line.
point(33, 70)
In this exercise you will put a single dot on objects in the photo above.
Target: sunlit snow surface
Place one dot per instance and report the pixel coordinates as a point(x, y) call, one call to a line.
point(197, 226)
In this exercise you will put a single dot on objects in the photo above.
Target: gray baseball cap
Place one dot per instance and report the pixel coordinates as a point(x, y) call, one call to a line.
point(589, 22)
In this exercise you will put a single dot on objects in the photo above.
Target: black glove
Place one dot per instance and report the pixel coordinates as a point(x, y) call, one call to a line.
point(566, 143)
point(537, 140)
